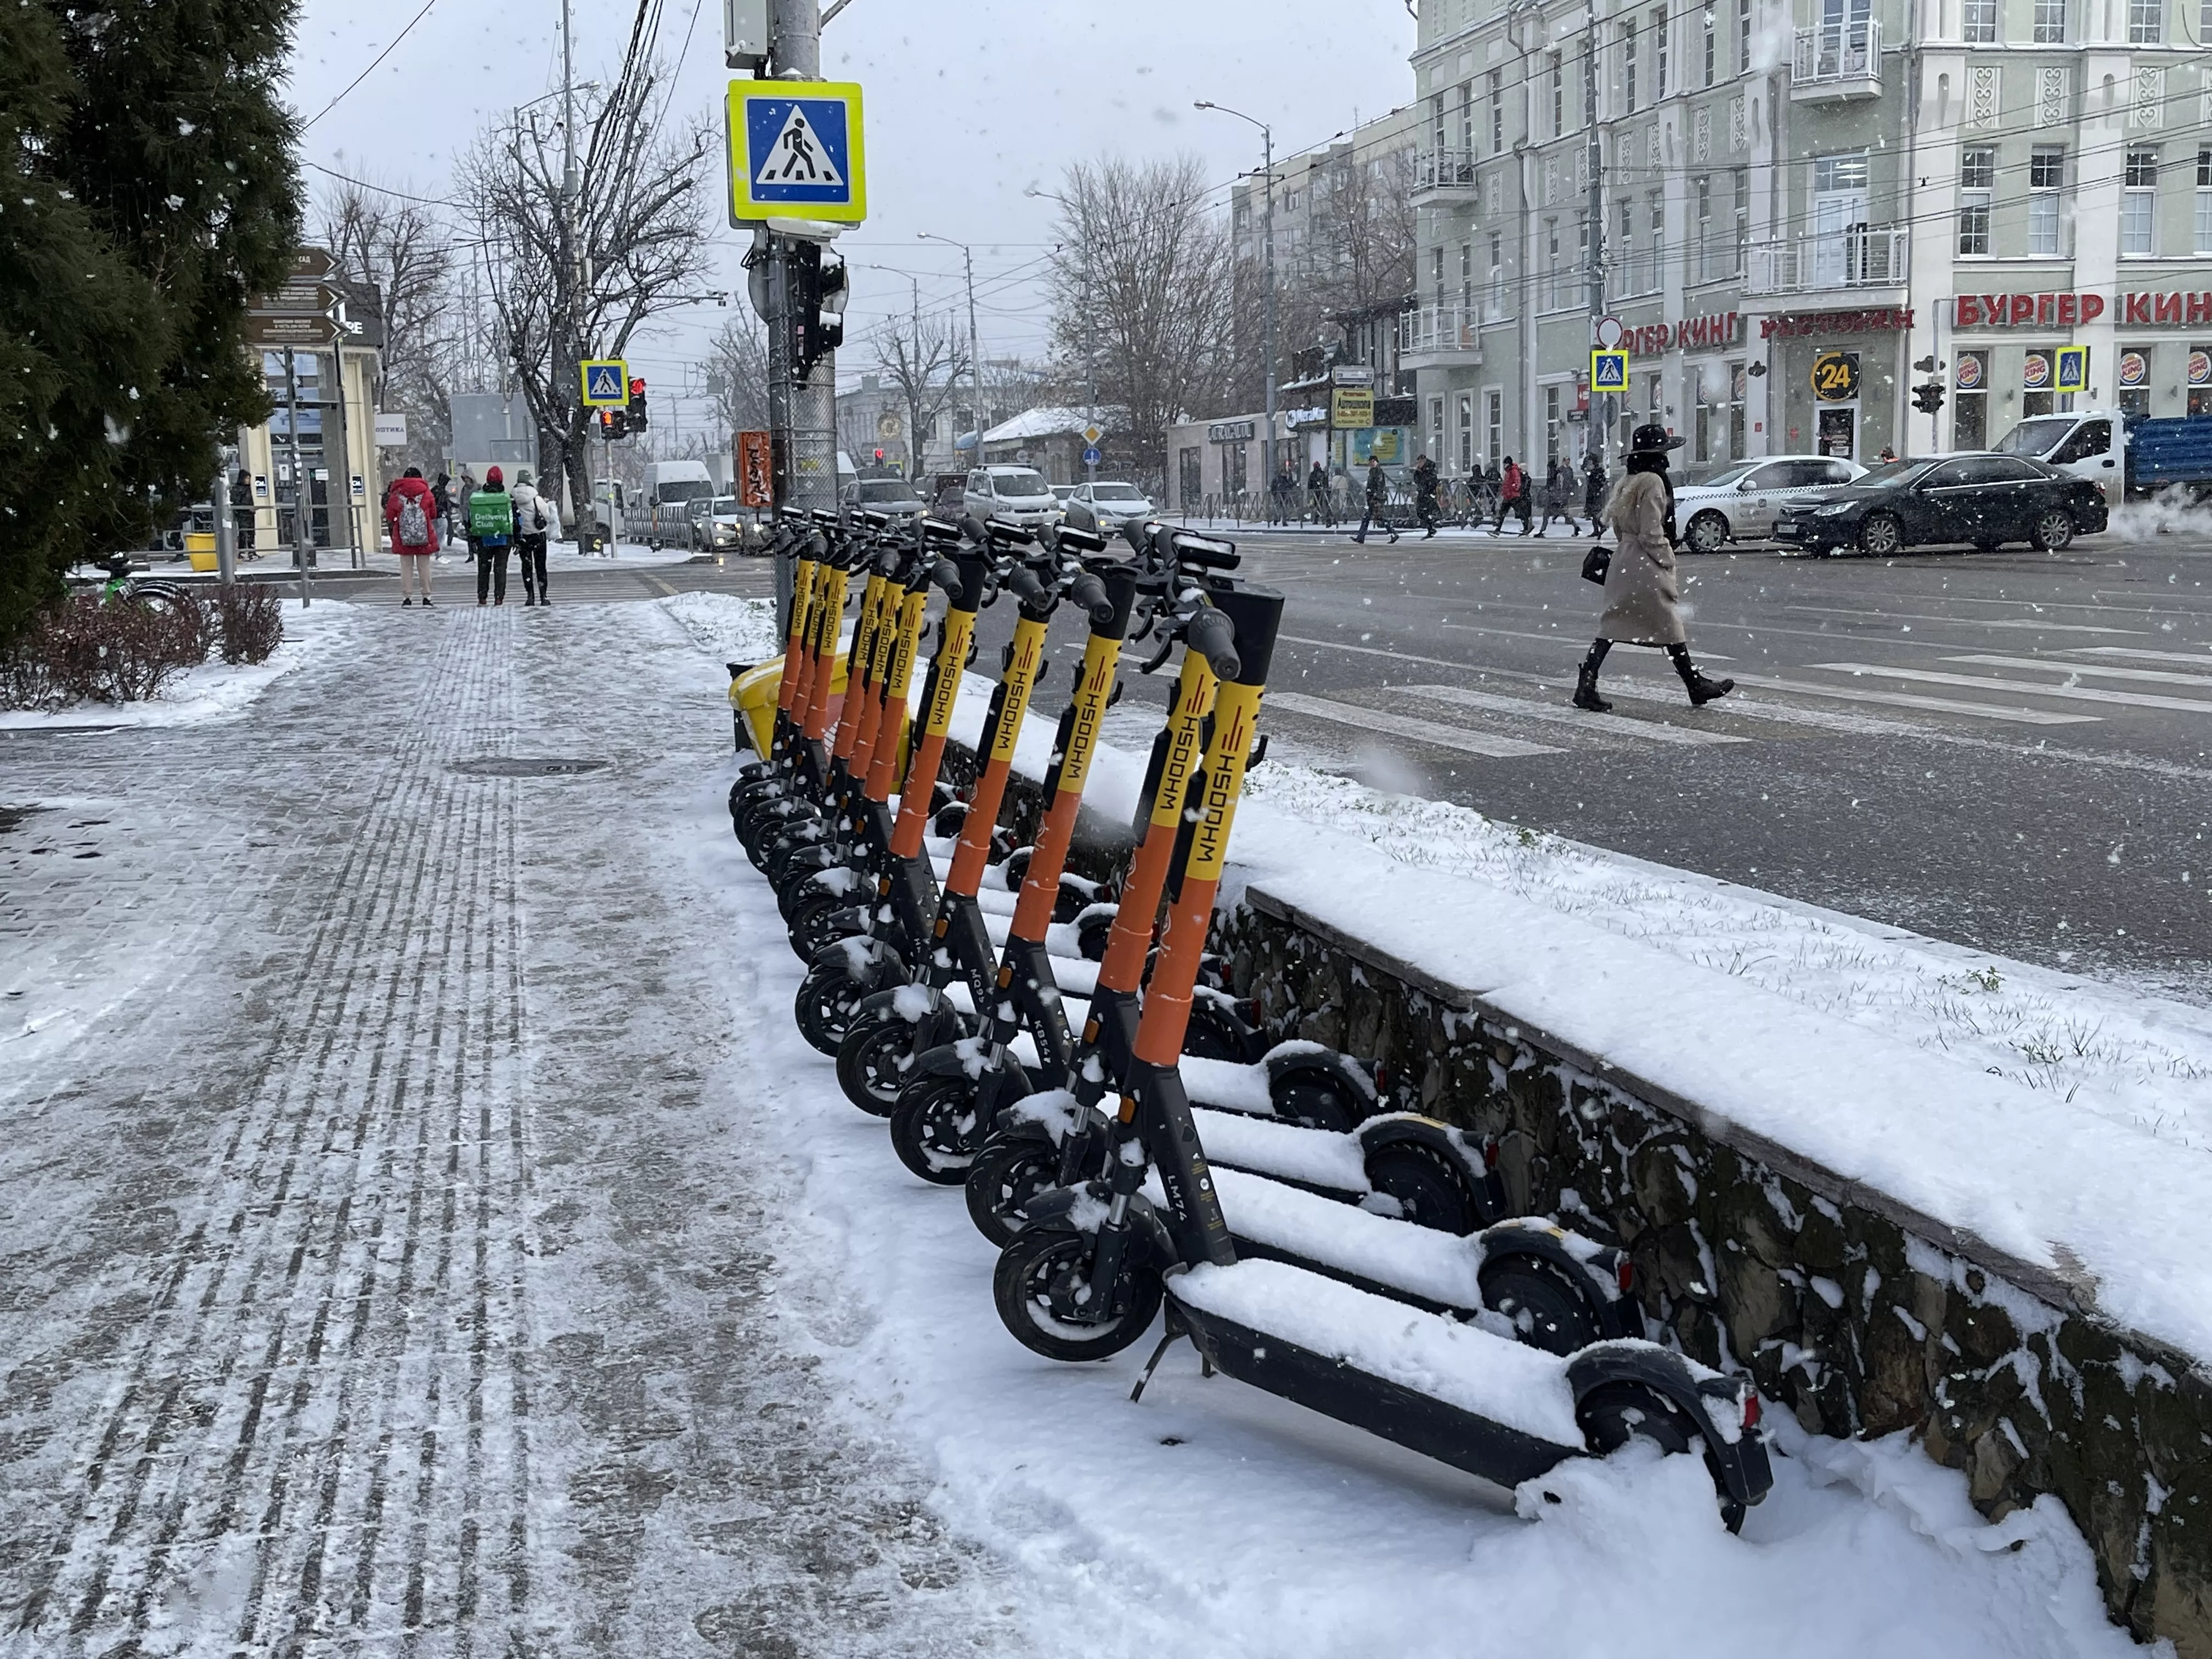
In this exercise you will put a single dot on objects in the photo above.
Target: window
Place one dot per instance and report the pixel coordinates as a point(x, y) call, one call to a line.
point(1658, 218)
point(2204, 201)
point(1558, 93)
point(1498, 112)
point(2049, 22)
point(1840, 172)
point(1436, 426)
point(2146, 23)
point(2046, 176)
point(1494, 402)
point(2091, 437)
point(1551, 243)
point(1467, 432)
point(1467, 274)
point(1977, 179)
point(1496, 274)
point(1742, 198)
point(2036, 371)
point(1707, 261)
point(1969, 417)
point(1978, 24)
point(2139, 201)
point(1659, 53)
point(1713, 46)
point(1628, 66)
point(1437, 274)
point(1743, 37)
point(1467, 117)
point(1552, 423)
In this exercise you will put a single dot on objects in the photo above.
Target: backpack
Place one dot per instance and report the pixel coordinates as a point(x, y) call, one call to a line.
point(414, 524)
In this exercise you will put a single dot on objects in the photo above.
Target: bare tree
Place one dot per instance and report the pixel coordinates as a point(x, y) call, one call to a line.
point(736, 376)
point(404, 253)
point(925, 361)
point(1142, 282)
point(586, 274)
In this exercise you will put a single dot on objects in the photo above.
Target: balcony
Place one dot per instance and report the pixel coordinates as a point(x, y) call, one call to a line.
point(1443, 169)
point(1836, 62)
point(1865, 257)
point(1448, 331)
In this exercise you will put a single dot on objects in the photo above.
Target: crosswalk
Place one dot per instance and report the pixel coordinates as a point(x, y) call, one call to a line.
point(1989, 692)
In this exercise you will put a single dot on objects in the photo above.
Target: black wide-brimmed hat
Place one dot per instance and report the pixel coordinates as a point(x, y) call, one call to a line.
point(1652, 440)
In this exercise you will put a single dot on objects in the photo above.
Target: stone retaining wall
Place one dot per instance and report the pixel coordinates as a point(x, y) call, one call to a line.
point(1860, 1318)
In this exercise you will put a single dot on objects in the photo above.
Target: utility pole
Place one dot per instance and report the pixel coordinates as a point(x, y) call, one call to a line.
point(1594, 434)
point(974, 351)
point(1267, 258)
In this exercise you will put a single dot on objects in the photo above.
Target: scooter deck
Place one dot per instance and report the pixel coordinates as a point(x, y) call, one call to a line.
point(1448, 1391)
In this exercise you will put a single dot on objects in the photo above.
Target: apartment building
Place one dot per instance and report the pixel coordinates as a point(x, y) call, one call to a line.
point(1802, 201)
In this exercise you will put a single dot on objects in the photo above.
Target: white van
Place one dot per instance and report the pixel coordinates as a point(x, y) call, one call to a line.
point(1018, 493)
point(2081, 443)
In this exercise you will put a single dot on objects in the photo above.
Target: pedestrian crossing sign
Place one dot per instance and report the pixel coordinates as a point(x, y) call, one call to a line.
point(607, 383)
point(2072, 369)
point(796, 150)
point(1608, 370)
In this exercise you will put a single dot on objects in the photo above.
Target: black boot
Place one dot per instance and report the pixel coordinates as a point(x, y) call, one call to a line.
point(1586, 695)
point(1702, 691)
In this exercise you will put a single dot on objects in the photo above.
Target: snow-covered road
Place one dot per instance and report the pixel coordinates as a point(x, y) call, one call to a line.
point(422, 1230)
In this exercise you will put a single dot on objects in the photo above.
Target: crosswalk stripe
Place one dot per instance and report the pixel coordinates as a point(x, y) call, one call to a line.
point(1884, 616)
point(1823, 719)
point(2073, 693)
point(1522, 709)
point(1908, 700)
point(2202, 659)
point(1438, 737)
point(2159, 676)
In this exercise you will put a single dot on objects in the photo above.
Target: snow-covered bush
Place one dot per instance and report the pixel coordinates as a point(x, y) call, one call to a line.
point(249, 621)
point(94, 649)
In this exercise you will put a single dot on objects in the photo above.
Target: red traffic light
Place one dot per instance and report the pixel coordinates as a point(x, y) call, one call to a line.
point(879, 454)
point(636, 390)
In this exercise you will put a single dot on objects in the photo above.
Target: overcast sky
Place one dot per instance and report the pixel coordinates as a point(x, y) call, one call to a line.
point(968, 103)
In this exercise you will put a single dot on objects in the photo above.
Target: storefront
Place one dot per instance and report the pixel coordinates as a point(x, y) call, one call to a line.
point(2014, 356)
point(1834, 379)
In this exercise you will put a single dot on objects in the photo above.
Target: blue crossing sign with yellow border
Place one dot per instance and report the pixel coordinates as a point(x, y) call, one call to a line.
point(1608, 370)
point(606, 382)
point(2072, 369)
point(797, 151)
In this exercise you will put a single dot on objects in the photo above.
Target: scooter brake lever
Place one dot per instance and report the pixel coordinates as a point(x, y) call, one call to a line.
point(1151, 664)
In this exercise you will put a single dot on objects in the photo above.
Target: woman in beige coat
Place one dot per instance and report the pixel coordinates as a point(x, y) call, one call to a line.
point(1642, 603)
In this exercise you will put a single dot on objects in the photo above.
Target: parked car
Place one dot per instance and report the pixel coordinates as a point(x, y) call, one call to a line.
point(1018, 493)
point(1105, 507)
point(2122, 452)
point(1737, 501)
point(1981, 500)
point(889, 493)
point(715, 524)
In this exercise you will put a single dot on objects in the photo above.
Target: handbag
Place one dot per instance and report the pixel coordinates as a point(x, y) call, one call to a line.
point(1595, 563)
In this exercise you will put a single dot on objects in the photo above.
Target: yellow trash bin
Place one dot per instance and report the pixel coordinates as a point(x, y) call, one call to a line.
point(199, 547)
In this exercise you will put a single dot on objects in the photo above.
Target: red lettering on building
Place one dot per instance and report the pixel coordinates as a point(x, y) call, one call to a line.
point(2093, 306)
point(2166, 308)
point(2069, 310)
point(1969, 311)
point(2198, 309)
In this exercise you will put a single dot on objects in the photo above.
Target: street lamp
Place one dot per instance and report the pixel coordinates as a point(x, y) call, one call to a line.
point(1267, 248)
point(975, 356)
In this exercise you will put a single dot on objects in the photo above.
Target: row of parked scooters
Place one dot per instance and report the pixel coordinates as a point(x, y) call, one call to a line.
point(1128, 1135)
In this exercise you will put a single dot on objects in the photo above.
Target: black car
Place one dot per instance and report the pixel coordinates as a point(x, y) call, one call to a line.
point(1981, 501)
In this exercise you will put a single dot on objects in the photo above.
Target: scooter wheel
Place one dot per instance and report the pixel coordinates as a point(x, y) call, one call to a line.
point(1613, 1414)
point(1315, 1102)
point(823, 1008)
point(873, 1059)
point(1036, 1284)
point(821, 918)
point(1427, 1192)
point(1211, 1035)
point(1546, 1311)
point(1005, 1176)
point(936, 1129)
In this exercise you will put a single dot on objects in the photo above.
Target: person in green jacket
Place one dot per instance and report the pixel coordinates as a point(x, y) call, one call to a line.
point(492, 530)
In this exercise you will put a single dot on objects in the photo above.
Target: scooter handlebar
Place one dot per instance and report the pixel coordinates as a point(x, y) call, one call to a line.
point(1213, 636)
point(1205, 552)
point(1087, 591)
point(1025, 584)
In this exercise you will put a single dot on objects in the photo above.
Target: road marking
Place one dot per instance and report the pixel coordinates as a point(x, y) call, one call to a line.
point(1526, 710)
point(2160, 676)
point(1824, 719)
point(2202, 659)
point(1436, 737)
point(2073, 693)
point(1962, 621)
point(1907, 700)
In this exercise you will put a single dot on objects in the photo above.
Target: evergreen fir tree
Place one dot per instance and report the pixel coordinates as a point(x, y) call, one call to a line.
point(147, 192)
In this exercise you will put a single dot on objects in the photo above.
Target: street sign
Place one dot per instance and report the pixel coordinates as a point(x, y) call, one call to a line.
point(2074, 368)
point(310, 263)
point(796, 150)
point(390, 430)
point(607, 383)
point(1351, 374)
point(313, 298)
point(1836, 376)
point(1350, 408)
point(1607, 332)
point(1092, 434)
point(1091, 457)
point(756, 487)
point(1608, 370)
point(291, 329)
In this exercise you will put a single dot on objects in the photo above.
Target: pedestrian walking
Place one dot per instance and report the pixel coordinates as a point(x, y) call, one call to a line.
point(537, 521)
point(1281, 492)
point(1425, 495)
point(1594, 488)
point(1642, 603)
point(1317, 497)
point(410, 514)
point(1378, 496)
point(244, 518)
point(464, 491)
point(1512, 497)
point(1559, 496)
point(491, 535)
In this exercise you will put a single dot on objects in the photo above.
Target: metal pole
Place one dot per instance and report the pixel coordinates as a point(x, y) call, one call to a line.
point(1594, 438)
point(226, 525)
point(809, 416)
point(344, 475)
point(302, 490)
point(974, 351)
point(1267, 249)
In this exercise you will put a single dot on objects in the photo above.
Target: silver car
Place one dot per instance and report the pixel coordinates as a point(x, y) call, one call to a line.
point(715, 524)
point(1105, 507)
point(1737, 501)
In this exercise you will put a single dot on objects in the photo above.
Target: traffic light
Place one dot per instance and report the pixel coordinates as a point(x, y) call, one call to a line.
point(1927, 398)
point(817, 306)
point(636, 409)
point(614, 423)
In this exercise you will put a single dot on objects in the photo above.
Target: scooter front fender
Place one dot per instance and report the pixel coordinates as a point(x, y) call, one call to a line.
point(869, 963)
point(1618, 1315)
point(1083, 1210)
point(1484, 1183)
point(1737, 1455)
point(971, 1057)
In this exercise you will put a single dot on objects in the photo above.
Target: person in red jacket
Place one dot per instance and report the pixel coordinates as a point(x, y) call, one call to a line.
point(411, 512)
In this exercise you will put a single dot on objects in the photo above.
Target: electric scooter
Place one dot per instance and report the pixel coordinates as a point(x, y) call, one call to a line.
point(1095, 1263)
